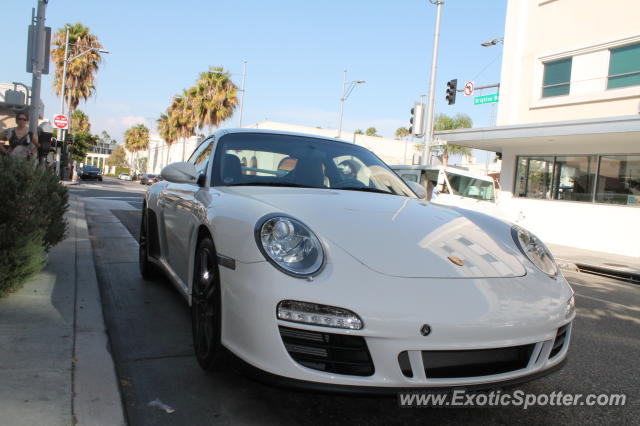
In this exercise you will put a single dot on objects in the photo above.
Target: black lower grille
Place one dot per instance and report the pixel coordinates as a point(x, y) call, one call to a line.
point(333, 353)
point(558, 343)
point(474, 363)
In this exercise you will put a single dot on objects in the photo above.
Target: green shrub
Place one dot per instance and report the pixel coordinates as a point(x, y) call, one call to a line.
point(119, 170)
point(32, 207)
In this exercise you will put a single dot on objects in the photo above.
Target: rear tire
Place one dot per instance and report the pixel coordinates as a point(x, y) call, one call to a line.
point(148, 270)
point(206, 320)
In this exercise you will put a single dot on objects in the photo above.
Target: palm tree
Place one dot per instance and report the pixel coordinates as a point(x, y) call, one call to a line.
point(136, 139)
point(81, 71)
point(444, 122)
point(80, 122)
point(402, 132)
point(372, 131)
point(167, 130)
point(181, 119)
point(214, 97)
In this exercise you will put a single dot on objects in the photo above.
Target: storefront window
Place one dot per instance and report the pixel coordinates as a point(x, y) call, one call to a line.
point(533, 179)
point(619, 180)
point(574, 178)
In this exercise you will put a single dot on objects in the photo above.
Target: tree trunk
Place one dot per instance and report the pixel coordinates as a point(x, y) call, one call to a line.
point(445, 158)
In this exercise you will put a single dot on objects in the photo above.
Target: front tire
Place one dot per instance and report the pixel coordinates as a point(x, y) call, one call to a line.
point(206, 305)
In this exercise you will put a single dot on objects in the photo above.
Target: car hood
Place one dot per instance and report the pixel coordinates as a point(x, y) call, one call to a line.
point(399, 236)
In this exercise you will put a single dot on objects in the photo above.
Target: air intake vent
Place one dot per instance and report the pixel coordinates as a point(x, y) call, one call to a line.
point(475, 363)
point(333, 353)
point(559, 342)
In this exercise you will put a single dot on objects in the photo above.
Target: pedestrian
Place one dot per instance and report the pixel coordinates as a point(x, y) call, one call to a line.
point(22, 142)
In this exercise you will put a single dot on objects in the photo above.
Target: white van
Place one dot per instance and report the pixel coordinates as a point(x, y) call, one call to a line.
point(454, 187)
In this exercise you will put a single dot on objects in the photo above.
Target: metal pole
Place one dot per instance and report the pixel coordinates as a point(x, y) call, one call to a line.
point(426, 156)
point(344, 89)
point(38, 61)
point(244, 75)
point(64, 80)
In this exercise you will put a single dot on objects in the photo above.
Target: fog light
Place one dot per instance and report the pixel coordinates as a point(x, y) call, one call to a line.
point(315, 314)
point(571, 307)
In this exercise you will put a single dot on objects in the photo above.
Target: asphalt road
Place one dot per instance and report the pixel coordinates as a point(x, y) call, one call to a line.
point(150, 331)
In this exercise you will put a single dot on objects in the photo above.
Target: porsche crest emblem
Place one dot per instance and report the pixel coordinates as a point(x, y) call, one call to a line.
point(456, 260)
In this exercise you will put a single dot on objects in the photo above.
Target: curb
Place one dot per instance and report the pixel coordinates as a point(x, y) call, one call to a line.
point(96, 394)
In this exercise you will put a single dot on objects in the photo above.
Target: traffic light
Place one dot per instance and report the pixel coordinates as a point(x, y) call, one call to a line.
point(452, 86)
point(417, 120)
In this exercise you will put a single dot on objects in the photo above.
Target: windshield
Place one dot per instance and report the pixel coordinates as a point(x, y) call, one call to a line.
point(299, 161)
point(471, 187)
point(91, 168)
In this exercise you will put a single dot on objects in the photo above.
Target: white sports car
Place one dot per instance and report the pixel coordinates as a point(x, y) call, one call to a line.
point(314, 263)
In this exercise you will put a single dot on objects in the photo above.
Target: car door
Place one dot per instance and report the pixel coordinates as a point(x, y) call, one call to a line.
point(180, 213)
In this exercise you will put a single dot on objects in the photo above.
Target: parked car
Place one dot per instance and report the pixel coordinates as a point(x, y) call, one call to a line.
point(90, 173)
point(453, 186)
point(320, 276)
point(124, 176)
point(146, 179)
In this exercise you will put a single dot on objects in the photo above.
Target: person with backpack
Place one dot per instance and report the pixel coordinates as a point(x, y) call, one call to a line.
point(22, 142)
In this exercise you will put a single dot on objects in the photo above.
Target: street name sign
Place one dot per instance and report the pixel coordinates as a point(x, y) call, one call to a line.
point(487, 99)
point(60, 121)
point(468, 88)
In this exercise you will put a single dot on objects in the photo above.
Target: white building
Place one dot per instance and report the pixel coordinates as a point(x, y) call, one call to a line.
point(568, 124)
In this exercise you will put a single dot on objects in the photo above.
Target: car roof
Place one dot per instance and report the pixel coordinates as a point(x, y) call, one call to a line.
point(223, 132)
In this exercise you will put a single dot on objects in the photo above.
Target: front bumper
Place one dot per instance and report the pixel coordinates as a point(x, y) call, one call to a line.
point(464, 315)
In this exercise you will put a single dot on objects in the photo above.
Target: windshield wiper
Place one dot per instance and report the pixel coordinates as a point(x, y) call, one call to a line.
point(364, 189)
point(290, 184)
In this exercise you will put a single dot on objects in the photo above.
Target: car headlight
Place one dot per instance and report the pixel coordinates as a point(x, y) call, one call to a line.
point(534, 250)
point(290, 245)
point(570, 308)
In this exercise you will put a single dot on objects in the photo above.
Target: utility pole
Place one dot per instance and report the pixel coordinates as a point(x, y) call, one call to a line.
point(428, 139)
point(244, 75)
point(38, 59)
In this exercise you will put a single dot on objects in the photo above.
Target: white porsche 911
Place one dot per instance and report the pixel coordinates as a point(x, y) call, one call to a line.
point(314, 263)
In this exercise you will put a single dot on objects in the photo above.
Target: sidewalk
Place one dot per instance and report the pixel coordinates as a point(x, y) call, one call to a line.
point(55, 364)
point(604, 263)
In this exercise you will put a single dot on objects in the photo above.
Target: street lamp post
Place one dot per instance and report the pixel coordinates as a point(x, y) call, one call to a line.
point(426, 156)
point(346, 91)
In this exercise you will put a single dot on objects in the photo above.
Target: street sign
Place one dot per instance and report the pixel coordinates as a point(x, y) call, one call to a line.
point(487, 99)
point(468, 88)
point(60, 121)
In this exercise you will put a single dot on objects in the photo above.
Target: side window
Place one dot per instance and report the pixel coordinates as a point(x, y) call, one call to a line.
point(200, 157)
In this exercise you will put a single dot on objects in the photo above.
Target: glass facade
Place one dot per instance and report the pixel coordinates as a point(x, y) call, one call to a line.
point(624, 67)
point(574, 177)
point(533, 178)
point(557, 78)
point(619, 180)
point(578, 178)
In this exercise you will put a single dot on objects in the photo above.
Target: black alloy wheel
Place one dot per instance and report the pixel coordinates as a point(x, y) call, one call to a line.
point(147, 269)
point(206, 306)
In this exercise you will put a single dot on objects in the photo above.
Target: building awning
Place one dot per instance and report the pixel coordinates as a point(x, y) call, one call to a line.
point(624, 129)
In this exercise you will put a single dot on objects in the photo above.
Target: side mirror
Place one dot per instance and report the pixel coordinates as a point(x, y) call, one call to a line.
point(417, 188)
point(181, 172)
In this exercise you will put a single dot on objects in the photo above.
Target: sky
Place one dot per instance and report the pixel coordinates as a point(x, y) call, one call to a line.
point(296, 52)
